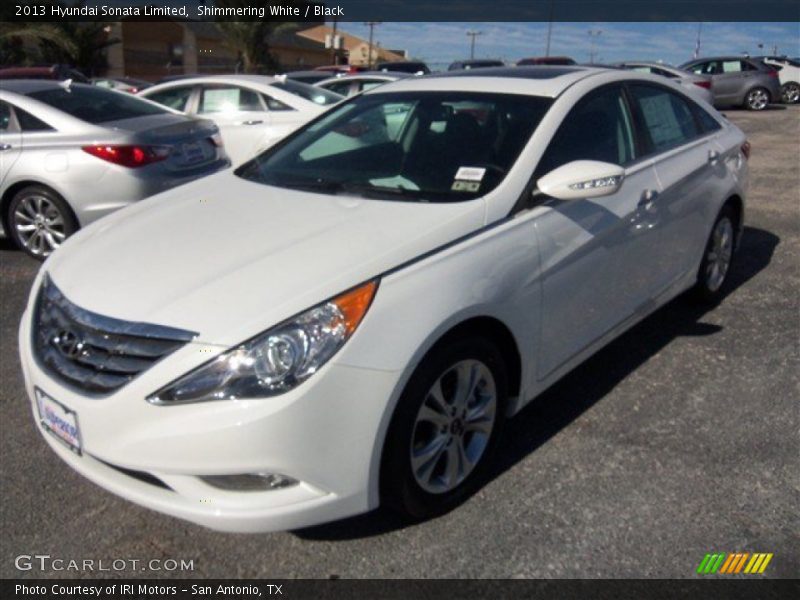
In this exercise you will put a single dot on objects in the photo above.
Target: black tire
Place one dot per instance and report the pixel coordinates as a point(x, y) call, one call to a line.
point(757, 99)
point(53, 223)
point(790, 93)
point(400, 488)
point(708, 289)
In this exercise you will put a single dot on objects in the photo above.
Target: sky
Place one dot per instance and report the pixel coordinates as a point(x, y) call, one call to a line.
point(441, 43)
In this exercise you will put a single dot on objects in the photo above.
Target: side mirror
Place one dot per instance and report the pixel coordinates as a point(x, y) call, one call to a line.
point(582, 179)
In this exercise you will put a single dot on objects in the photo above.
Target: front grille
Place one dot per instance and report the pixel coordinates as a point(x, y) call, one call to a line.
point(95, 353)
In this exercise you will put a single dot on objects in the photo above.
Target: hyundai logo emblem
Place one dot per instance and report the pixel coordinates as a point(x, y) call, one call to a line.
point(68, 343)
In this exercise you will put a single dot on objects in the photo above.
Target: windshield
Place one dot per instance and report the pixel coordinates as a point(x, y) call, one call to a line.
point(94, 104)
point(426, 146)
point(309, 92)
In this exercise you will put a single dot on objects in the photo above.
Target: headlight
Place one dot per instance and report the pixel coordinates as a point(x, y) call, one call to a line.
point(278, 359)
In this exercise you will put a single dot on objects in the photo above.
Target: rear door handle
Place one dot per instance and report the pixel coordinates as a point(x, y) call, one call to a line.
point(713, 156)
point(253, 122)
point(4, 147)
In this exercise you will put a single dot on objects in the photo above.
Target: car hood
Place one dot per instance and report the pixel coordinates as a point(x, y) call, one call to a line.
point(229, 258)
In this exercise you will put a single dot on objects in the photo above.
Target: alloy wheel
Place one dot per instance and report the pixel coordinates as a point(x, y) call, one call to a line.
point(718, 259)
point(39, 224)
point(453, 426)
point(791, 93)
point(757, 99)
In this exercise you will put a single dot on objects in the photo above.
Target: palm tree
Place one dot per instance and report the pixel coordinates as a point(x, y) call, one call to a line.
point(81, 45)
point(249, 39)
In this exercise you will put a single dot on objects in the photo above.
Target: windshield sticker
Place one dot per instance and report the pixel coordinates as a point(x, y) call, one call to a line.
point(466, 186)
point(470, 173)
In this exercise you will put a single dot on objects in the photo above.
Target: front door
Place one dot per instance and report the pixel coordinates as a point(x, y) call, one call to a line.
point(595, 253)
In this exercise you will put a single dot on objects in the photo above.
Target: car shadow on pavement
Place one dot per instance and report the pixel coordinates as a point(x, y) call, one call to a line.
point(588, 383)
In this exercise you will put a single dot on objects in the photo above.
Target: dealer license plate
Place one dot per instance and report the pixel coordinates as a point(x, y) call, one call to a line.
point(59, 420)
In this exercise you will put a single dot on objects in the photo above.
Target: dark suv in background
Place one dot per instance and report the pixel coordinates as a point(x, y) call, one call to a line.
point(738, 81)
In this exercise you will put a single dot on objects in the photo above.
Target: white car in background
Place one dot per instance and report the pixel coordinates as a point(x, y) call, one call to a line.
point(350, 85)
point(789, 76)
point(331, 327)
point(252, 111)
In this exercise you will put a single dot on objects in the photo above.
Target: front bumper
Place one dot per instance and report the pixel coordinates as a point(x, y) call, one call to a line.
point(323, 434)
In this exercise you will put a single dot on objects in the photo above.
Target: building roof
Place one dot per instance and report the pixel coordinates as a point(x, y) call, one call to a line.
point(349, 41)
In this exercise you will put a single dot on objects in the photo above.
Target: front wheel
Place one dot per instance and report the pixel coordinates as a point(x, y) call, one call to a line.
point(790, 93)
point(757, 99)
point(716, 263)
point(445, 428)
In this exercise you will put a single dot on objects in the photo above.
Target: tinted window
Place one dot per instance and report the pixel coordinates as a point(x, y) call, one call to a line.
point(340, 87)
point(27, 122)
point(5, 116)
point(598, 128)
point(175, 98)
point(228, 98)
point(430, 146)
point(707, 122)
point(96, 105)
point(667, 116)
point(273, 104)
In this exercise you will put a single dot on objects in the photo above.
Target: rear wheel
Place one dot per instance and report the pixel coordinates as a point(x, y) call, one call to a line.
point(445, 428)
point(790, 93)
point(39, 220)
point(757, 99)
point(716, 263)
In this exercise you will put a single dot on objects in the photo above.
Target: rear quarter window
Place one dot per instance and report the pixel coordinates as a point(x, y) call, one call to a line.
point(668, 118)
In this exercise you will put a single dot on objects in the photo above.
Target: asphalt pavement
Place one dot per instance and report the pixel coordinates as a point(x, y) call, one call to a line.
point(678, 439)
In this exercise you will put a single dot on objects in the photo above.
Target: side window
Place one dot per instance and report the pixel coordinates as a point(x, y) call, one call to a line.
point(664, 73)
point(368, 85)
point(5, 116)
point(340, 87)
point(273, 104)
point(746, 66)
point(668, 118)
point(229, 98)
point(598, 128)
point(175, 98)
point(27, 122)
point(707, 122)
point(732, 66)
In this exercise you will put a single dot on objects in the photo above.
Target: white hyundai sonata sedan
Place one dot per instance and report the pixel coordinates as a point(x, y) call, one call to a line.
point(347, 319)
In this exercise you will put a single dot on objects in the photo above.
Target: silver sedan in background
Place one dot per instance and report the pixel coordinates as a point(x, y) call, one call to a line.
point(699, 85)
point(71, 153)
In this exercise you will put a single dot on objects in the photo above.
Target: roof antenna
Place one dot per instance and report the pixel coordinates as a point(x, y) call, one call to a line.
point(65, 84)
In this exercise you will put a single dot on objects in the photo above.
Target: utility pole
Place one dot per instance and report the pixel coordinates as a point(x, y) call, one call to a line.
point(549, 28)
point(697, 44)
point(371, 25)
point(473, 34)
point(593, 34)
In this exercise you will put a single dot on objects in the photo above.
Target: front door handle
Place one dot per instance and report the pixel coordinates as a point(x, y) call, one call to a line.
point(648, 199)
point(253, 122)
point(4, 147)
point(713, 156)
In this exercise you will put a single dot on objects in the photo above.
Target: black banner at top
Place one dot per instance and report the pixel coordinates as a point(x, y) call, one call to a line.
point(403, 10)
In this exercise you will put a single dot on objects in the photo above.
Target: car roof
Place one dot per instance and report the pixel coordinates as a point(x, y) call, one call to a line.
point(535, 80)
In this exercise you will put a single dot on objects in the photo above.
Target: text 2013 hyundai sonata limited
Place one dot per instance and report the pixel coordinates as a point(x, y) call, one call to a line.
point(347, 319)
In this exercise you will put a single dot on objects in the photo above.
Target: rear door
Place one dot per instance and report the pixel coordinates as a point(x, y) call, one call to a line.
point(688, 166)
point(595, 253)
point(10, 141)
point(241, 115)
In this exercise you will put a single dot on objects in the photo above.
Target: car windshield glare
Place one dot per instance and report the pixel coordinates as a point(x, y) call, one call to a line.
point(423, 146)
point(95, 105)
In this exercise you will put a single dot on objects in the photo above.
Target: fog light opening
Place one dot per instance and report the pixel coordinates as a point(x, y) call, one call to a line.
point(250, 482)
